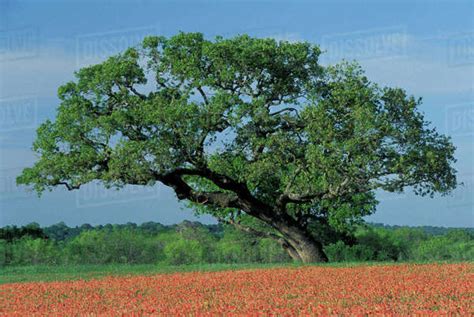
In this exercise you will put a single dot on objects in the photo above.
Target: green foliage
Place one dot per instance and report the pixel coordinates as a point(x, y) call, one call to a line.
point(313, 142)
point(29, 251)
point(340, 252)
point(5, 257)
point(404, 244)
point(11, 233)
point(456, 244)
point(271, 252)
point(237, 247)
point(183, 251)
point(115, 246)
point(193, 243)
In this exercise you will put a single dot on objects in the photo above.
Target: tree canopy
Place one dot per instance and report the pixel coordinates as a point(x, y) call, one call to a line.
point(253, 131)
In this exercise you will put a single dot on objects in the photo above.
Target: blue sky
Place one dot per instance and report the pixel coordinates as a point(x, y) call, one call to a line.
point(426, 47)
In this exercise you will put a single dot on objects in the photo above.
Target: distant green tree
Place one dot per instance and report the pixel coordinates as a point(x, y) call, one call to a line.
point(237, 247)
point(271, 252)
point(88, 248)
point(32, 230)
point(340, 252)
point(59, 231)
point(152, 227)
point(30, 251)
point(183, 251)
point(454, 245)
point(5, 253)
point(381, 242)
point(405, 240)
point(206, 240)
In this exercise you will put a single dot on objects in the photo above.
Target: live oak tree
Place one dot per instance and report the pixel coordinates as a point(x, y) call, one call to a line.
point(252, 131)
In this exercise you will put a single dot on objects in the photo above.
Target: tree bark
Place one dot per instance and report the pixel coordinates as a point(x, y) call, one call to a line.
point(305, 250)
point(300, 245)
point(295, 239)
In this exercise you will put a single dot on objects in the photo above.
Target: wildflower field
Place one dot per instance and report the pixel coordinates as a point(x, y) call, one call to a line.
point(431, 289)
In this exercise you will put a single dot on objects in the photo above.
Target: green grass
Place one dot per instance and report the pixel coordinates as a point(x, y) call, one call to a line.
point(44, 273)
point(32, 273)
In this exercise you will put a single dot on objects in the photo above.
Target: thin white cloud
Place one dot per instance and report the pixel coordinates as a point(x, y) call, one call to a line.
point(421, 76)
point(38, 75)
point(420, 66)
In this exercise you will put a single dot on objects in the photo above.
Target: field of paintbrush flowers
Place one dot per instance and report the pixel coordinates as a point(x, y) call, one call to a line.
point(426, 289)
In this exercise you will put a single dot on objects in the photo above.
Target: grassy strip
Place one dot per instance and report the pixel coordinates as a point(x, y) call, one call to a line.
point(44, 273)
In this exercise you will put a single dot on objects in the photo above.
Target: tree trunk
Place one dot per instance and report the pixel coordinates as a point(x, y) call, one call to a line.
point(300, 245)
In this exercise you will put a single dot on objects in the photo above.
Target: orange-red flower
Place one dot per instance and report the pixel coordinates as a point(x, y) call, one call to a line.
point(434, 289)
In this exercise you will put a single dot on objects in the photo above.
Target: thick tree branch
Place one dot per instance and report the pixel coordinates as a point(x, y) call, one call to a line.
point(250, 230)
point(67, 185)
point(296, 199)
point(285, 109)
point(132, 89)
point(184, 191)
point(288, 197)
point(240, 198)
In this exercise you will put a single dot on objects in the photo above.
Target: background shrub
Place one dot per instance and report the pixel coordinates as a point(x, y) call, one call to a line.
point(192, 243)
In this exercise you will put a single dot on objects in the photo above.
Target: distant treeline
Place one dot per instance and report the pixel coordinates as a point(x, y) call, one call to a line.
point(193, 242)
point(431, 230)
